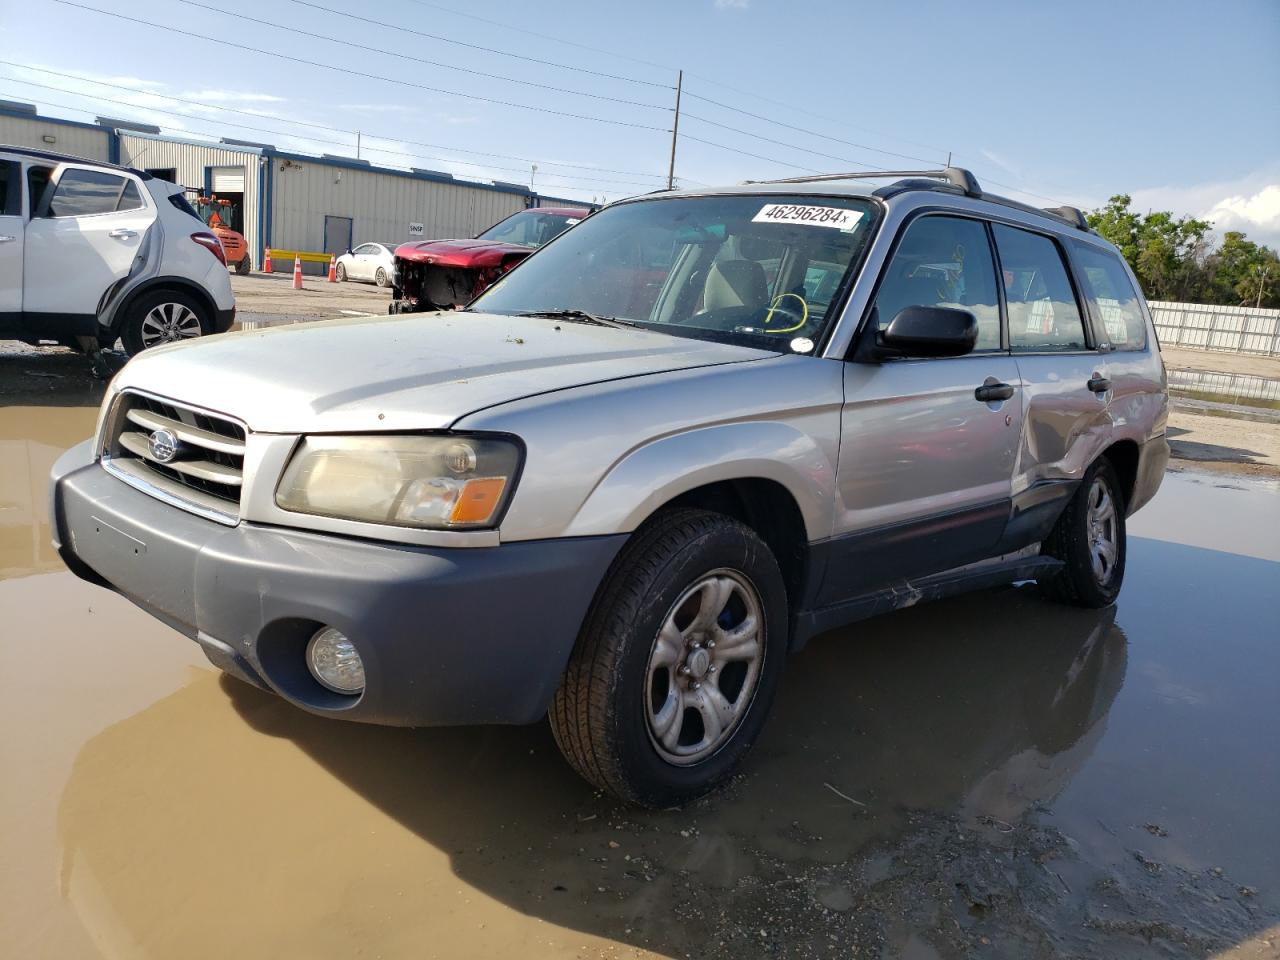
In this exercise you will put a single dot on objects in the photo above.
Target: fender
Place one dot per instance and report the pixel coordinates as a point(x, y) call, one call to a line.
point(112, 315)
point(656, 473)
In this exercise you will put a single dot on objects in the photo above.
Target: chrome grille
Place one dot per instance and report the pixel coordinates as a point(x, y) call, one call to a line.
point(205, 472)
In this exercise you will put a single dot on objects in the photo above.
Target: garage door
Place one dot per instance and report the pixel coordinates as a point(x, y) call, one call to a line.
point(227, 179)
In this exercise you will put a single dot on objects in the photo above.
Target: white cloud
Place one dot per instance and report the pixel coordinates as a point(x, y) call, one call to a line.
point(732, 4)
point(377, 108)
point(1250, 204)
point(231, 96)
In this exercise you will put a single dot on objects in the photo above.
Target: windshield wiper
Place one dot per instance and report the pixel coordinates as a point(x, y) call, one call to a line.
point(578, 316)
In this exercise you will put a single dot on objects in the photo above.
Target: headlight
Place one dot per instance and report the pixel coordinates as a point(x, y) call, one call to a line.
point(441, 483)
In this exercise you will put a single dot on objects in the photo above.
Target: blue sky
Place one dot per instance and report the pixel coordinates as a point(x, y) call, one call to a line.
point(1177, 103)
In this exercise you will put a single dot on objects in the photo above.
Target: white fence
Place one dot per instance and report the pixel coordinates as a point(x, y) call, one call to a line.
point(1228, 329)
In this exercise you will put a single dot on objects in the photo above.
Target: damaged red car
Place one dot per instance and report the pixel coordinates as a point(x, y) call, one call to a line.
point(444, 274)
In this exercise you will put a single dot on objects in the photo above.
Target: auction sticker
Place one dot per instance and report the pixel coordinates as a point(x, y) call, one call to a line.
point(837, 218)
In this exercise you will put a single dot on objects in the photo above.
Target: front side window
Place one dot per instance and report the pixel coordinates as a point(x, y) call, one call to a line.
point(943, 262)
point(365, 248)
point(82, 193)
point(1043, 314)
point(1115, 302)
point(757, 270)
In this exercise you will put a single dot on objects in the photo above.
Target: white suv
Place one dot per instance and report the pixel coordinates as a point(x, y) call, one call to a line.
point(91, 252)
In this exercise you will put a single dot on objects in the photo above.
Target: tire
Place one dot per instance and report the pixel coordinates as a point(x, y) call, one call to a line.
point(341, 273)
point(380, 278)
point(244, 266)
point(163, 316)
point(1092, 520)
point(616, 693)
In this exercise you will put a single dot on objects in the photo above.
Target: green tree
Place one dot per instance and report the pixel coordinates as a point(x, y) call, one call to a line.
point(1174, 257)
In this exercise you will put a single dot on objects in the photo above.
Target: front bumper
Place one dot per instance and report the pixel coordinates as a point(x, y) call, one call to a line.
point(448, 636)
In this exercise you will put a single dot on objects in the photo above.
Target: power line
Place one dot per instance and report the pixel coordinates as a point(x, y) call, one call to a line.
point(572, 178)
point(347, 71)
point(476, 46)
point(746, 153)
point(812, 133)
point(781, 143)
point(409, 56)
point(301, 123)
point(547, 36)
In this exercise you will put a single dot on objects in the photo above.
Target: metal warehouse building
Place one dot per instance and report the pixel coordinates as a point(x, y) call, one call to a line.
point(284, 200)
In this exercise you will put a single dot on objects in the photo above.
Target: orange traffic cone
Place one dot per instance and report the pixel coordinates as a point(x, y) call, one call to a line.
point(297, 273)
point(333, 268)
point(266, 264)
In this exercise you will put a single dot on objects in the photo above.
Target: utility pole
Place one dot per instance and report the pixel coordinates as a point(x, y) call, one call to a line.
point(533, 172)
point(357, 144)
point(1262, 282)
point(675, 132)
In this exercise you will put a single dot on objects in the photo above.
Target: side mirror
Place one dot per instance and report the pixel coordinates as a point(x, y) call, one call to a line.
point(928, 332)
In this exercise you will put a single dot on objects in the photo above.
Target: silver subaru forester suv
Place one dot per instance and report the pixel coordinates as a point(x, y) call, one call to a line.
point(682, 439)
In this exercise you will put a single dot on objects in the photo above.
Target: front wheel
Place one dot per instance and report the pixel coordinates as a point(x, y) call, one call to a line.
point(341, 273)
point(1089, 538)
point(164, 316)
point(678, 661)
point(244, 266)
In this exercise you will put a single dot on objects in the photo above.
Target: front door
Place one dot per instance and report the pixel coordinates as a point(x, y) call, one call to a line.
point(87, 239)
point(926, 463)
point(11, 230)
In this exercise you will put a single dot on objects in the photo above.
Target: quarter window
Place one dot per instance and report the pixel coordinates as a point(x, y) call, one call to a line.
point(1043, 314)
point(943, 262)
point(1114, 300)
point(81, 193)
point(130, 199)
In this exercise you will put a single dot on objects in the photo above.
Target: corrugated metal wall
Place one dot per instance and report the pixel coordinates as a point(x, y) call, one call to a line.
point(1208, 327)
point(93, 144)
point(381, 205)
point(190, 161)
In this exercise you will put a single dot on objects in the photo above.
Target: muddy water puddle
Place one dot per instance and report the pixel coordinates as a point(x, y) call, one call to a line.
point(991, 775)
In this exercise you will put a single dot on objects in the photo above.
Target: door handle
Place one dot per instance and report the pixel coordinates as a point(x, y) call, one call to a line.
point(1099, 384)
point(7, 239)
point(993, 389)
point(122, 233)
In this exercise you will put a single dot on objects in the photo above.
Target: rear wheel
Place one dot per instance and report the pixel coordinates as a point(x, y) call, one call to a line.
point(244, 266)
point(341, 273)
point(678, 661)
point(163, 316)
point(380, 278)
point(1089, 538)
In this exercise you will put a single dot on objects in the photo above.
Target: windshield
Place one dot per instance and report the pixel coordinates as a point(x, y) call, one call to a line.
point(529, 228)
point(758, 270)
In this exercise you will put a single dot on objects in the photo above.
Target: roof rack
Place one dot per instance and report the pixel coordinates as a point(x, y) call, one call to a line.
point(1073, 215)
point(956, 176)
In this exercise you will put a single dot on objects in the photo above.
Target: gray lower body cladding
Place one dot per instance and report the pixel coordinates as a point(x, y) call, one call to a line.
point(448, 636)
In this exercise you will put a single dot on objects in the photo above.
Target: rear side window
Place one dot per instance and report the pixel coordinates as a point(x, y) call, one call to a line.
point(130, 199)
point(943, 262)
point(179, 202)
point(1043, 314)
point(8, 189)
point(82, 193)
point(1113, 298)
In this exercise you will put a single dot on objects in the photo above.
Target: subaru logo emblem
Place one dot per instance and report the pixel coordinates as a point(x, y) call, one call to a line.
point(163, 446)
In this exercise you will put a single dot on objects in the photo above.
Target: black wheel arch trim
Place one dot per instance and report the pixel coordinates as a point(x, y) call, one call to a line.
point(157, 283)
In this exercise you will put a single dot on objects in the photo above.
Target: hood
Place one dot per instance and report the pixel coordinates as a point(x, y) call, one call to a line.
point(417, 371)
point(469, 254)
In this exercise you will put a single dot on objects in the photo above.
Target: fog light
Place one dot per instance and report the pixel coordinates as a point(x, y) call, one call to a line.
point(332, 659)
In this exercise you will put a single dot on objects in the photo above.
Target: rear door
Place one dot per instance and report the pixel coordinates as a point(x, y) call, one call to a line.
point(926, 464)
point(1066, 421)
point(11, 231)
point(86, 238)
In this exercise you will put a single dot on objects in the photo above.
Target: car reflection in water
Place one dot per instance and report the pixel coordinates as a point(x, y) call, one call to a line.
point(221, 817)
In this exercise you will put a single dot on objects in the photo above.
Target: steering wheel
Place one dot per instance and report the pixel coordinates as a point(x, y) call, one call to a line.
point(793, 317)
